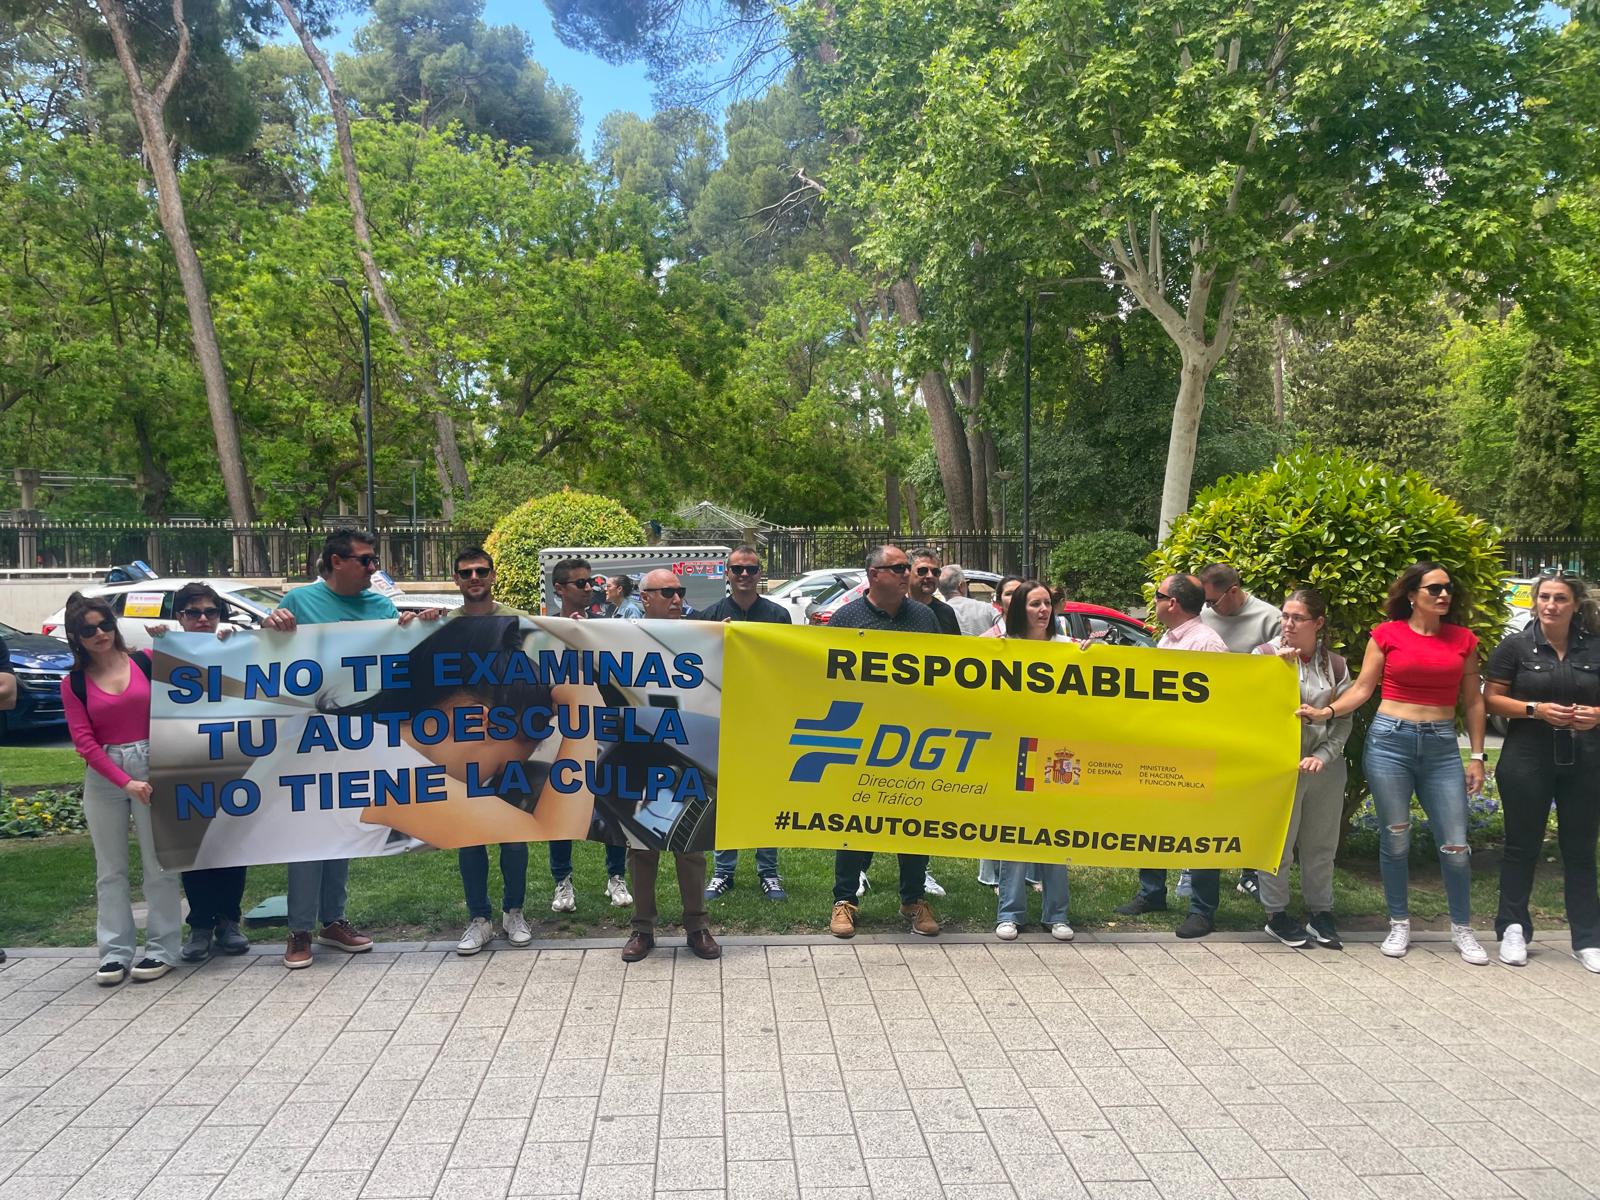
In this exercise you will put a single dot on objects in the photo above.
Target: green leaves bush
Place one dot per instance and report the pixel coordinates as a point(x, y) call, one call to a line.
point(1104, 567)
point(44, 812)
point(564, 518)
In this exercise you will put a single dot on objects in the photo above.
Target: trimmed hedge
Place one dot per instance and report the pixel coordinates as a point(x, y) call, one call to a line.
point(564, 518)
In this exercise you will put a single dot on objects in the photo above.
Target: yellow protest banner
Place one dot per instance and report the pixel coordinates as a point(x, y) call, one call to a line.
point(1027, 751)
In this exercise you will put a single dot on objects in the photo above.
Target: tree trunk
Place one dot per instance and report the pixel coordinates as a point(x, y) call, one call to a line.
point(1279, 353)
point(447, 450)
point(147, 107)
point(949, 438)
point(913, 513)
point(891, 477)
point(1185, 434)
point(977, 460)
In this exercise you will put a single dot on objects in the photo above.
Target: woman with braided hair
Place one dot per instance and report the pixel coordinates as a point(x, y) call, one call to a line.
point(1319, 790)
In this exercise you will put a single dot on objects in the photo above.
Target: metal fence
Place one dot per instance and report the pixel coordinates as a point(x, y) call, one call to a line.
point(1529, 557)
point(790, 552)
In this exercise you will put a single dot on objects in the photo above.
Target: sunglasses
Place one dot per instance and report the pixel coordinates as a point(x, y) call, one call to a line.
point(668, 592)
point(577, 583)
point(366, 560)
point(1162, 596)
point(200, 614)
point(742, 569)
point(897, 568)
point(96, 629)
point(474, 572)
point(925, 571)
point(1439, 589)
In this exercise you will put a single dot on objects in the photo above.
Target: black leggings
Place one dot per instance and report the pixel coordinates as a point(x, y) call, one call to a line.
point(1529, 780)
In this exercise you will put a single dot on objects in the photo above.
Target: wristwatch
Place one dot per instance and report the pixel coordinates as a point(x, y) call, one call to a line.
point(1533, 709)
point(1479, 756)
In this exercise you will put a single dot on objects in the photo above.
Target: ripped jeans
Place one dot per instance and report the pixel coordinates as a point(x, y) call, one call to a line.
point(1421, 758)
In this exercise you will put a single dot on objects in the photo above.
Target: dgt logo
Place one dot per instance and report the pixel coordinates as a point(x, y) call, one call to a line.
point(891, 744)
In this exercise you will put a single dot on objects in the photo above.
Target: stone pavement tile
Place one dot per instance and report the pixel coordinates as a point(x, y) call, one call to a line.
point(831, 1161)
point(1544, 1184)
point(406, 1171)
point(815, 1072)
point(1099, 1156)
point(1147, 1129)
point(1115, 1085)
point(1275, 1125)
point(690, 1072)
point(490, 1143)
point(35, 1187)
point(335, 1083)
point(814, 1114)
point(1400, 1124)
point(1404, 1187)
point(212, 1150)
point(1574, 1159)
point(902, 1178)
point(768, 1180)
point(1046, 1175)
point(180, 1187)
point(379, 1100)
point(874, 1090)
point(351, 1146)
point(1193, 1106)
point(1183, 1175)
point(1101, 1190)
point(1068, 1107)
point(944, 1110)
point(1487, 1143)
point(574, 1077)
point(550, 1169)
point(563, 1119)
point(690, 1164)
point(1321, 1174)
point(620, 1140)
point(34, 1126)
point(505, 1097)
point(618, 1183)
point(326, 1185)
point(927, 1068)
point(1233, 1154)
point(962, 1158)
point(1265, 1189)
point(754, 1091)
point(72, 1152)
point(429, 1122)
point(264, 1174)
point(473, 1183)
point(299, 1124)
point(1017, 1131)
point(692, 1114)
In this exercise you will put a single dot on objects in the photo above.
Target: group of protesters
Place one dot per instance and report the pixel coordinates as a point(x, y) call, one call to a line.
point(1544, 681)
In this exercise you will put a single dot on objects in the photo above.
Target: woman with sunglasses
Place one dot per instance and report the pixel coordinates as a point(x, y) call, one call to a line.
point(107, 700)
point(216, 894)
point(1546, 682)
point(1031, 617)
point(1427, 662)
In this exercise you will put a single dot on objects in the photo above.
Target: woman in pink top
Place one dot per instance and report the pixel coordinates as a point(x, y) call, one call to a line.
point(107, 699)
point(1427, 662)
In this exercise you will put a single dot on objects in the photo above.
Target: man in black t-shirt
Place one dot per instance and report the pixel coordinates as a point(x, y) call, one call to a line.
point(925, 567)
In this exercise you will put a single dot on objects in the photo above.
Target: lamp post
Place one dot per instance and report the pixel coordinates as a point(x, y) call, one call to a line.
point(416, 540)
point(1027, 438)
point(366, 390)
point(1005, 477)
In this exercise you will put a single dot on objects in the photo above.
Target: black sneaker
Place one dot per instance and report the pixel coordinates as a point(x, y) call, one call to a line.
point(198, 947)
point(147, 969)
point(110, 974)
point(1287, 930)
point(230, 939)
point(719, 886)
point(1323, 931)
point(1140, 905)
point(1248, 884)
point(772, 888)
point(1196, 926)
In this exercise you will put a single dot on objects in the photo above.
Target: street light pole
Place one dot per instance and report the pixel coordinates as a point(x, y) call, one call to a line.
point(1027, 438)
point(366, 407)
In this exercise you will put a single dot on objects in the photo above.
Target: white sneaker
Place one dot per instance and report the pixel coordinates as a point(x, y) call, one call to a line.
point(862, 885)
point(518, 932)
point(617, 892)
point(480, 932)
point(1006, 931)
point(930, 885)
point(1061, 931)
point(1590, 958)
point(1399, 939)
point(1467, 942)
point(565, 900)
point(1513, 947)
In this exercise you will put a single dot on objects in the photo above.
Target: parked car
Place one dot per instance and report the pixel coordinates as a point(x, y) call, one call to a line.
point(798, 594)
point(150, 601)
point(40, 663)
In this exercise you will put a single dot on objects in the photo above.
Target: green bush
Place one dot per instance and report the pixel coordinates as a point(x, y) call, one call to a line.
point(1105, 567)
point(564, 518)
point(1347, 528)
point(45, 812)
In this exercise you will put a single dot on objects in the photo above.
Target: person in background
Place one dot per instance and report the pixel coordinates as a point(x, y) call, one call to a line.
point(1244, 622)
point(1319, 789)
point(744, 602)
point(974, 616)
point(1427, 662)
point(1032, 617)
point(106, 696)
point(475, 579)
point(621, 602)
point(1002, 601)
point(926, 568)
point(1545, 681)
point(572, 579)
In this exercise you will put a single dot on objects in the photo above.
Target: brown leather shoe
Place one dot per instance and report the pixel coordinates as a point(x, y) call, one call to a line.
point(921, 917)
point(639, 945)
point(703, 944)
point(843, 924)
point(342, 935)
point(299, 952)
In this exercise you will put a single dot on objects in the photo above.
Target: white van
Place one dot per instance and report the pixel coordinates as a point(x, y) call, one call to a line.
point(704, 569)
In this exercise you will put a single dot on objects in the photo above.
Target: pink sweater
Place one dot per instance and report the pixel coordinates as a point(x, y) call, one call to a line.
point(108, 720)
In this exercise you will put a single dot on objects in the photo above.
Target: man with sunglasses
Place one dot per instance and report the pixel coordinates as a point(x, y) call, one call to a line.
point(1178, 603)
point(744, 602)
point(662, 593)
point(926, 566)
point(572, 580)
point(474, 579)
point(886, 604)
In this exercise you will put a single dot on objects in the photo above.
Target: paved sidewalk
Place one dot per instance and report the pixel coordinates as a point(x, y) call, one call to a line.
point(1133, 1069)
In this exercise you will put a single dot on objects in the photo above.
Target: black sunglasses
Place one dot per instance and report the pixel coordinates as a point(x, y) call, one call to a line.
point(200, 614)
point(1439, 589)
point(90, 630)
point(474, 572)
point(668, 592)
point(897, 568)
point(927, 570)
point(577, 583)
point(742, 569)
point(1162, 596)
point(366, 560)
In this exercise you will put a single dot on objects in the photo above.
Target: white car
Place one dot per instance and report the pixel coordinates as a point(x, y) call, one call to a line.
point(150, 601)
point(798, 594)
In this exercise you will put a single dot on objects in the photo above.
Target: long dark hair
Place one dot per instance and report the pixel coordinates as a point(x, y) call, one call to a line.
point(1017, 610)
point(1398, 605)
point(1317, 605)
point(79, 607)
point(1585, 605)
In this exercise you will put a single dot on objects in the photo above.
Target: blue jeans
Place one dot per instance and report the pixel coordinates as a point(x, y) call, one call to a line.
point(1421, 758)
point(561, 860)
point(766, 862)
point(317, 890)
point(474, 862)
point(1014, 892)
point(1206, 894)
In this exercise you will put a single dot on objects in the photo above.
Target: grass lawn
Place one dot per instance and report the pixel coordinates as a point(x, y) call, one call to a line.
point(28, 766)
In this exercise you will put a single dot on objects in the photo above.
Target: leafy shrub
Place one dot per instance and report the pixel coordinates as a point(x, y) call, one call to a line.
point(44, 812)
point(1105, 567)
point(1348, 528)
point(564, 518)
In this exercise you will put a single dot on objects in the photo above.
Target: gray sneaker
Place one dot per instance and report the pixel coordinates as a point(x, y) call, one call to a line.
point(198, 946)
point(480, 932)
point(518, 932)
point(565, 899)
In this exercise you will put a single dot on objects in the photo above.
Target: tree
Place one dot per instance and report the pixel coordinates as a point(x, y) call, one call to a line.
point(1186, 156)
point(1544, 492)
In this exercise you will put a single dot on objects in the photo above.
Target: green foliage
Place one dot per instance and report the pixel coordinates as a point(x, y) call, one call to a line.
point(1104, 567)
point(497, 488)
point(44, 812)
point(1543, 492)
point(564, 518)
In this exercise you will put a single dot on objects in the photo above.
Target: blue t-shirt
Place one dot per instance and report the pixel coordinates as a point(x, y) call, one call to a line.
point(318, 604)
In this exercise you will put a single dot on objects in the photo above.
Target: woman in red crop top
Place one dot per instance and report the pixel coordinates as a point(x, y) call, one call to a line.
point(1427, 661)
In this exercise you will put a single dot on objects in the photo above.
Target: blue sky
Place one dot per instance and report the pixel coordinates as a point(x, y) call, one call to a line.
point(602, 88)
